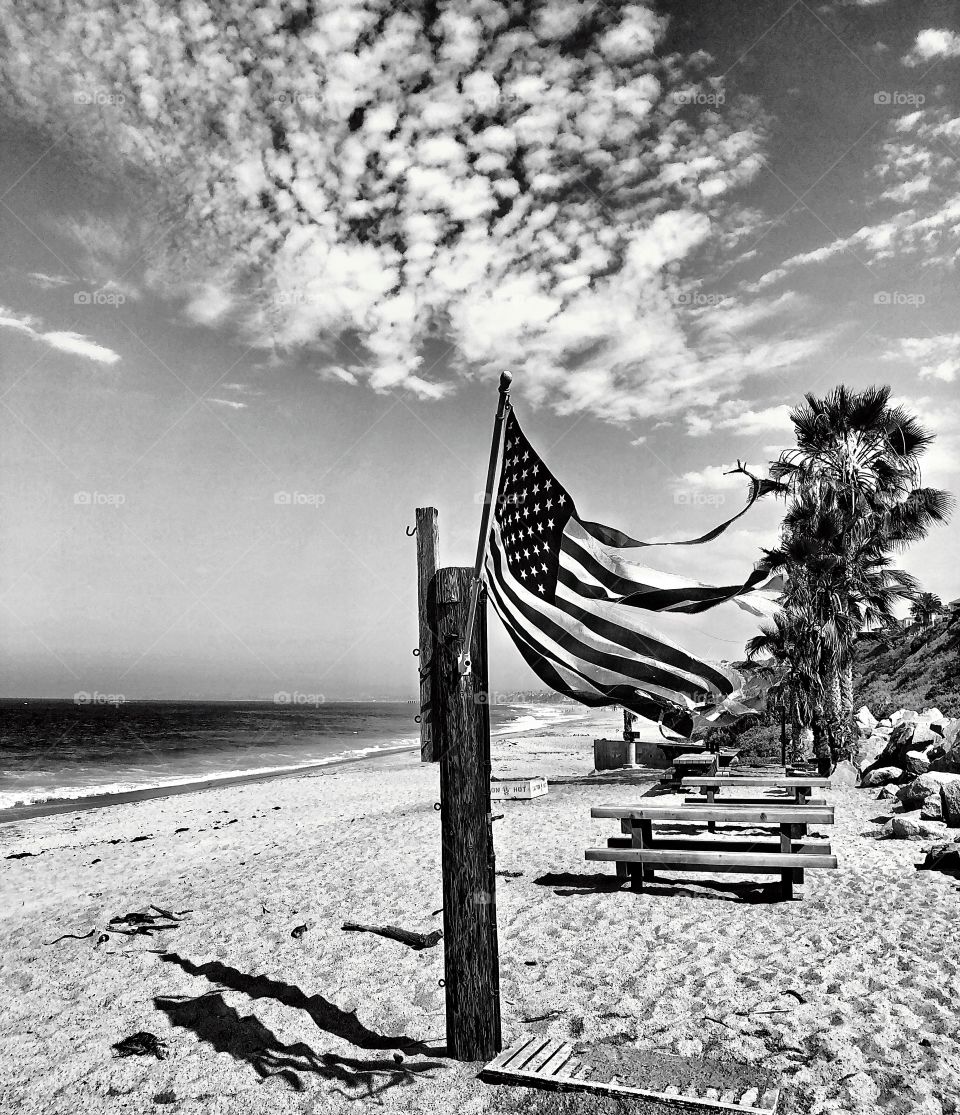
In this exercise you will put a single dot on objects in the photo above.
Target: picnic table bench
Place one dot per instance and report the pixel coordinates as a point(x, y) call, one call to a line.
point(800, 786)
point(643, 851)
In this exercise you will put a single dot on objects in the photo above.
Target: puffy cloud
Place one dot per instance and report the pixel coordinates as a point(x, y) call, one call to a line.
point(74, 343)
point(936, 356)
point(736, 416)
point(529, 191)
point(933, 44)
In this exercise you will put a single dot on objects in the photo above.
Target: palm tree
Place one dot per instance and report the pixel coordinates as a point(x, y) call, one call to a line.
point(789, 648)
point(854, 482)
point(925, 606)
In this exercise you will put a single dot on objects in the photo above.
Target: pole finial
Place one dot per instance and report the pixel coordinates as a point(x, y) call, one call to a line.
point(506, 378)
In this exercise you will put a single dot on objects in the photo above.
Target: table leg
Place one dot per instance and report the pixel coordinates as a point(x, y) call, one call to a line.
point(786, 847)
point(711, 800)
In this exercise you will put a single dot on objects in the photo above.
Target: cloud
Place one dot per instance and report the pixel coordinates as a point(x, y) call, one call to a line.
point(527, 193)
point(48, 282)
point(917, 193)
point(737, 417)
point(933, 44)
point(74, 343)
point(937, 357)
point(234, 404)
point(713, 478)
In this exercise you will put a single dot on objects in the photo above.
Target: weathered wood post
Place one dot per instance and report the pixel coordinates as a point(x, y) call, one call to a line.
point(427, 550)
point(461, 742)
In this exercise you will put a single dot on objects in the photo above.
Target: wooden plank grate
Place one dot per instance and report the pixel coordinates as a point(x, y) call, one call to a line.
point(700, 1084)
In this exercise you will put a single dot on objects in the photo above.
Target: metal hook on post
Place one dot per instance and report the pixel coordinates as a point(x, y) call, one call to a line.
point(410, 533)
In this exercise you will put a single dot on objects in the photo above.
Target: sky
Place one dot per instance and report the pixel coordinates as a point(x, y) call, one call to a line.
point(261, 266)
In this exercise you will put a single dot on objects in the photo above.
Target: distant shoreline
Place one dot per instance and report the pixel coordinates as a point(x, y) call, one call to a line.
point(151, 793)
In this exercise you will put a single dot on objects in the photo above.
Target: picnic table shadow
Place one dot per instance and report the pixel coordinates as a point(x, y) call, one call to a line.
point(566, 884)
point(245, 1038)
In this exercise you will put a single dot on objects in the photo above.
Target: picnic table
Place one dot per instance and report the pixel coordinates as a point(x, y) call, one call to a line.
point(799, 786)
point(726, 756)
point(644, 850)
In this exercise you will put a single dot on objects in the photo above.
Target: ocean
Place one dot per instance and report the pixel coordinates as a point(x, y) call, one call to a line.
point(55, 751)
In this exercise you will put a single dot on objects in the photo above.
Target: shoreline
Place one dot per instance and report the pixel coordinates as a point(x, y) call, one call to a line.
point(83, 803)
point(153, 793)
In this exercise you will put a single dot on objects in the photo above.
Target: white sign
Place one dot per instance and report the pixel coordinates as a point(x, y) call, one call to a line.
point(522, 788)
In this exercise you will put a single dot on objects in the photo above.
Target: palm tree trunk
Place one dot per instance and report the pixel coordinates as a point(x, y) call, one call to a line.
point(846, 704)
point(833, 717)
point(796, 738)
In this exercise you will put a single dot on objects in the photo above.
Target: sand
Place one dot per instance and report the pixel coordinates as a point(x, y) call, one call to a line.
point(256, 1020)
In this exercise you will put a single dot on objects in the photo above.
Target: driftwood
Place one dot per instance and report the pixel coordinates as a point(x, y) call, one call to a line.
point(415, 940)
point(141, 923)
point(72, 936)
point(141, 1044)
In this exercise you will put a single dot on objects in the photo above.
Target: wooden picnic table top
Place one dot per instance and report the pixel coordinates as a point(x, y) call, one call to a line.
point(774, 814)
point(718, 781)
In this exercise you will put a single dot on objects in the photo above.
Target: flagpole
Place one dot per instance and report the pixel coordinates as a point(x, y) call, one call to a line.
point(463, 661)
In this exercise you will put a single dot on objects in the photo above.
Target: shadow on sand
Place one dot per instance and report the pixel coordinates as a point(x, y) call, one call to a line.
point(709, 889)
point(246, 1038)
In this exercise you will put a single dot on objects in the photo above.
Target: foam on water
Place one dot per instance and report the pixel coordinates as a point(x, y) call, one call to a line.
point(45, 795)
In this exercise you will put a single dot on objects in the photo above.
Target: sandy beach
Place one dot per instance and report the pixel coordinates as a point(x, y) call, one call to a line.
point(257, 1020)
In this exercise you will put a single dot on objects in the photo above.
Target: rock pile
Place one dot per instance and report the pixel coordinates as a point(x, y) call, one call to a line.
point(918, 751)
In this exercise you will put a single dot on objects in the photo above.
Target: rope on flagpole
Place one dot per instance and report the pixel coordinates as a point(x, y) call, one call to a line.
point(463, 660)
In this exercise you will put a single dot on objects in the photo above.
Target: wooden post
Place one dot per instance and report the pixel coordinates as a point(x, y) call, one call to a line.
point(461, 740)
point(427, 550)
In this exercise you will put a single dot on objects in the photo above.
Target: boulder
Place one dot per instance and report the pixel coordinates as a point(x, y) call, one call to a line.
point(949, 762)
point(916, 762)
point(942, 857)
point(950, 803)
point(931, 714)
point(906, 828)
point(923, 736)
point(868, 751)
point(916, 792)
point(951, 730)
point(903, 716)
point(844, 774)
point(880, 776)
point(932, 810)
point(885, 793)
point(899, 743)
point(866, 721)
point(885, 722)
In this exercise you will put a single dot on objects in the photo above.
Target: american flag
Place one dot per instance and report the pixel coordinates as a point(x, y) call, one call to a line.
point(570, 601)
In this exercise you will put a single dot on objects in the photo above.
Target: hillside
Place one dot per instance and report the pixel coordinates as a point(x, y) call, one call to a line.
point(911, 670)
point(905, 670)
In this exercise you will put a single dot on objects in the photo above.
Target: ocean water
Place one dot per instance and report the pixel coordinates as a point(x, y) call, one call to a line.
point(58, 750)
